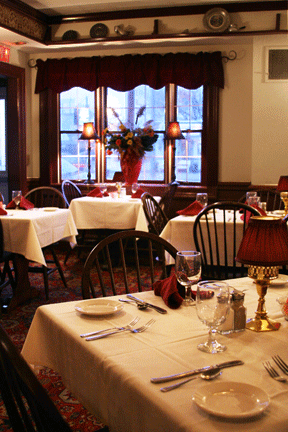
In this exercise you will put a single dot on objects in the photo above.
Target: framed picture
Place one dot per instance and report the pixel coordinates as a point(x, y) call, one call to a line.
point(276, 67)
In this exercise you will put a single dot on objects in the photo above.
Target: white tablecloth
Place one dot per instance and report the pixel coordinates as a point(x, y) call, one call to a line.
point(27, 232)
point(179, 232)
point(118, 213)
point(111, 376)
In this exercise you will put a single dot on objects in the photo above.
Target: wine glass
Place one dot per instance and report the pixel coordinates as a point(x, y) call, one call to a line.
point(212, 306)
point(103, 187)
point(135, 187)
point(16, 197)
point(188, 272)
point(202, 198)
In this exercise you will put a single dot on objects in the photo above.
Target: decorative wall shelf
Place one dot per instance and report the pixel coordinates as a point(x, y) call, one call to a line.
point(123, 40)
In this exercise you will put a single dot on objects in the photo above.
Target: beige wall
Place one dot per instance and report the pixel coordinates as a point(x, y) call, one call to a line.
point(253, 134)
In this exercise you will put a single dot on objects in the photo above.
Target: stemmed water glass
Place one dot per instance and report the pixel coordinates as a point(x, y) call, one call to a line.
point(103, 187)
point(212, 305)
point(188, 272)
point(135, 187)
point(202, 198)
point(16, 197)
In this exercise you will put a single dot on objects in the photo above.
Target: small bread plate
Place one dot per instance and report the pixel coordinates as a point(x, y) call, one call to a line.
point(280, 282)
point(99, 307)
point(233, 400)
point(50, 209)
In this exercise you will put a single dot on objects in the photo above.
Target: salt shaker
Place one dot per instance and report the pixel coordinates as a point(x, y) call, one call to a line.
point(239, 311)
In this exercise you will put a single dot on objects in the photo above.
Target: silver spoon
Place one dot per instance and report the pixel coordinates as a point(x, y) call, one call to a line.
point(139, 305)
point(207, 375)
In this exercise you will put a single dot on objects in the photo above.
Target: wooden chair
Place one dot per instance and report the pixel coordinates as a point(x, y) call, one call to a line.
point(271, 197)
point(218, 241)
point(25, 399)
point(113, 280)
point(47, 197)
point(167, 199)
point(70, 191)
point(28, 404)
point(155, 216)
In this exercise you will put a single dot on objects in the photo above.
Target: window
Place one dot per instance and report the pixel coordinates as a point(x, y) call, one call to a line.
point(186, 106)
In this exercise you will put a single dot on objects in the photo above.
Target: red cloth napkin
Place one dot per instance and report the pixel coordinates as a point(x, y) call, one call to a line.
point(97, 193)
point(24, 204)
point(167, 289)
point(2, 211)
point(248, 213)
point(138, 193)
point(192, 210)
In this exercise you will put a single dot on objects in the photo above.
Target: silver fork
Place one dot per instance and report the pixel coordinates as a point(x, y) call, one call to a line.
point(282, 365)
point(273, 373)
point(137, 330)
point(132, 323)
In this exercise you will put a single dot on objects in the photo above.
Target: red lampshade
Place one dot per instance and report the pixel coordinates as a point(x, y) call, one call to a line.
point(283, 184)
point(174, 131)
point(89, 132)
point(265, 242)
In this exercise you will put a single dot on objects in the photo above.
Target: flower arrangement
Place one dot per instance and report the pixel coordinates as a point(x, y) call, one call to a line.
point(131, 143)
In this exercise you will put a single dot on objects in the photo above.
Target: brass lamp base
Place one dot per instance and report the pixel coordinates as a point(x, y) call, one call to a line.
point(262, 277)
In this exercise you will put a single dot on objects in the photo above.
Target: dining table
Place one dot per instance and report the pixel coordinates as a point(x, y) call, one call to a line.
point(25, 233)
point(109, 213)
point(179, 232)
point(111, 376)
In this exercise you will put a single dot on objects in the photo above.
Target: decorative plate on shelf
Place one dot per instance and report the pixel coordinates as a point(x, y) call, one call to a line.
point(98, 30)
point(216, 20)
point(70, 35)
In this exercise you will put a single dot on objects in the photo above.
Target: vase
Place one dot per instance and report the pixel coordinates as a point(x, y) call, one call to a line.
point(131, 167)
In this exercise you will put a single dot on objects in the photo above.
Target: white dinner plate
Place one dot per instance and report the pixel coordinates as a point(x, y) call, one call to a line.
point(50, 209)
point(280, 282)
point(232, 399)
point(99, 307)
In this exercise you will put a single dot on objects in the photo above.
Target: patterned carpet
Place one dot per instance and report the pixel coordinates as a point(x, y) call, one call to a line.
point(17, 324)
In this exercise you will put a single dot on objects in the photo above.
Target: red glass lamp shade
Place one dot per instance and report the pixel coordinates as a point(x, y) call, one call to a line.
point(174, 131)
point(283, 184)
point(265, 242)
point(89, 132)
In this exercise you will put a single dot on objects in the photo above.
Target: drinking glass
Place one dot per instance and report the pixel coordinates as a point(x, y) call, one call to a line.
point(188, 272)
point(16, 197)
point(250, 194)
point(254, 201)
point(135, 187)
point(103, 187)
point(202, 198)
point(212, 306)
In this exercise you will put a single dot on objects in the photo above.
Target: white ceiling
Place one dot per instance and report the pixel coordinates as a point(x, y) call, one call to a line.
point(74, 7)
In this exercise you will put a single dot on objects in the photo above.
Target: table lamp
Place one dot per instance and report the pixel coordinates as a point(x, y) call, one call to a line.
point(283, 189)
point(264, 248)
point(89, 133)
point(173, 133)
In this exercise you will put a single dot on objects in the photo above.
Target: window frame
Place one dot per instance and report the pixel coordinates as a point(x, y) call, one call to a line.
point(50, 137)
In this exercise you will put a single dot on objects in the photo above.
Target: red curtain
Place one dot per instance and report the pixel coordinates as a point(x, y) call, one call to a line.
point(126, 72)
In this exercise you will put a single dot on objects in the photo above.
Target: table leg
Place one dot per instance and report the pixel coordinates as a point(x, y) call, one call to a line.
point(23, 290)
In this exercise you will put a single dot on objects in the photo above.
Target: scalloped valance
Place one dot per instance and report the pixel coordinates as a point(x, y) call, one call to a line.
point(126, 72)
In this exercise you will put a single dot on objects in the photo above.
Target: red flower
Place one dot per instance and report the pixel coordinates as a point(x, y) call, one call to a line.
point(118, 142)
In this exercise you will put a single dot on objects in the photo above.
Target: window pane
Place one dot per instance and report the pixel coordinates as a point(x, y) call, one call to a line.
point(189, 151)
point(127, 105)
point(76, 108)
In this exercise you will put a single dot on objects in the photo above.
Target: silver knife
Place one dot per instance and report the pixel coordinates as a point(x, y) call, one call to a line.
point(157, 308)
point(197, 371)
